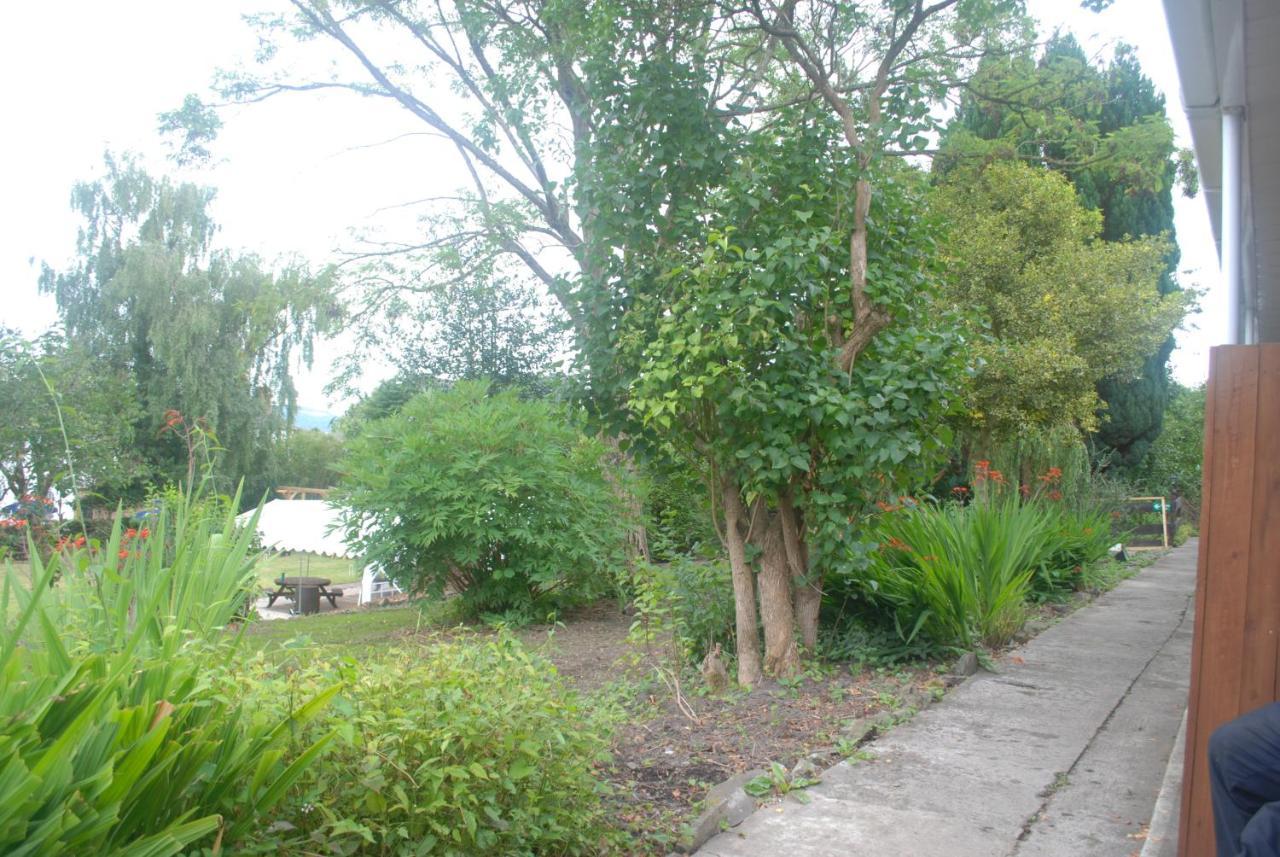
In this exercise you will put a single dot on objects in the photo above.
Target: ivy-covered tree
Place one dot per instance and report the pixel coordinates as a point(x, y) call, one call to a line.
point(1054, 309)
point(198, 331)
point(1104, 128)
point(744, 368)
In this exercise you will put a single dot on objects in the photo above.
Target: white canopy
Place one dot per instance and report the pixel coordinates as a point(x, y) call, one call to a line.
point(301, 525)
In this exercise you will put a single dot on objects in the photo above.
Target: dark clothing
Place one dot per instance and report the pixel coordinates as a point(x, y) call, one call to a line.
point(1244, 770)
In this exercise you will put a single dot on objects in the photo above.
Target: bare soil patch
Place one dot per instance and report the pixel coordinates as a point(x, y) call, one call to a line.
point(664, 761)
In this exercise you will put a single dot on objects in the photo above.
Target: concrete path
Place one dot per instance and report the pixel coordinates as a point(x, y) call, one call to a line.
point(1061, 754)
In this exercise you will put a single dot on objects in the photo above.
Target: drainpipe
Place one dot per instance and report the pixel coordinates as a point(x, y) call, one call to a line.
point(1232, 134)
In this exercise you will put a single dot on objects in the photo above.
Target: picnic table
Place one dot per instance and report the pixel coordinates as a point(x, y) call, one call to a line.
point(289, 586)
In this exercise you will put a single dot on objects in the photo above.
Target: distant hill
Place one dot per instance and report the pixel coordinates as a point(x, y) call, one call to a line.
point(309, 418)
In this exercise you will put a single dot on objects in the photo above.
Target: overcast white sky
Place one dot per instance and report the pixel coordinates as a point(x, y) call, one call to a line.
point(84, 76)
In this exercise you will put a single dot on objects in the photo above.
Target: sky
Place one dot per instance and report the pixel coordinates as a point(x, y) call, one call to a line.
point(297, 175)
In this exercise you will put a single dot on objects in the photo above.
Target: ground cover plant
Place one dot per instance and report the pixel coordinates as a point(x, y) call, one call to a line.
point(469, 746)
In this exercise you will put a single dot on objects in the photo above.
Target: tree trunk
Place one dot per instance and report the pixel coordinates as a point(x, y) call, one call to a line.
point(744, 588)
point(781, 657)
point(807, 581)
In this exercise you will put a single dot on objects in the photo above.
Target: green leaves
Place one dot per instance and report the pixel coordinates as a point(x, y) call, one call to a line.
point(1054, 310)
point(466, 747)
point(501, 499)
point(121, 731)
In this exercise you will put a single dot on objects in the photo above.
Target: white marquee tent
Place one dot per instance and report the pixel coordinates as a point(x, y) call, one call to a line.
point(307, 526)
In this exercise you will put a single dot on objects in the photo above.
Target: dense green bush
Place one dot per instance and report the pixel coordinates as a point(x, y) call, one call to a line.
point(1175, 461)
point(118, 735)
point(685, 601)
point(465, 748)
point(497, 498)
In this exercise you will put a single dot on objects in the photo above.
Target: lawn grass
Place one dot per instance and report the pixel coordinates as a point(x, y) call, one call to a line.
point(362, 632)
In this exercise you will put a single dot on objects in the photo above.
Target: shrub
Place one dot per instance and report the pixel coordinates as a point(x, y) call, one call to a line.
point(678, 510)
point(1175, 461)
point(119, 736)
point(497, 498)
point(466, 748)
point(689, 600)
point(960, 574)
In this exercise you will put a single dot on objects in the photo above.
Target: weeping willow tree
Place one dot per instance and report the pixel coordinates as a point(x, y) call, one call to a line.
point(200, 332)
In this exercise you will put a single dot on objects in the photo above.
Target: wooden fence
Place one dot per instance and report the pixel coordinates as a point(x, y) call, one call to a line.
point(1235, 662)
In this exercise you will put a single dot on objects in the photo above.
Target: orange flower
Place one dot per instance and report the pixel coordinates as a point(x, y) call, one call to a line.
point(145, 532)
point(896, 543)
point(79, 541)
point(124, 554)
point(997, 477)
point(960, 490)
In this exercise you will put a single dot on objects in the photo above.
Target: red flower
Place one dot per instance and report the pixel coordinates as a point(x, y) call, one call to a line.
point(145, 532)
point(997, 477)
point(1053, 474)
point(130, 533)
point(124, 554)
point(79, 541)
point(960, 490)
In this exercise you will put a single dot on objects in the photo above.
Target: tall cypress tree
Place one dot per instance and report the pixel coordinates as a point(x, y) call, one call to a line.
point(1135, 408)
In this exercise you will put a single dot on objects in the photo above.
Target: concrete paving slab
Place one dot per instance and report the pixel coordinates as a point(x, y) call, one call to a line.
point(1060, 753)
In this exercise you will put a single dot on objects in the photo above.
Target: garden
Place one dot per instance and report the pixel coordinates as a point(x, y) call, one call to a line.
point(718, 440)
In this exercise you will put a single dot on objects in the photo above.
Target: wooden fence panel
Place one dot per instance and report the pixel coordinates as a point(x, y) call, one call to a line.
point(1234, 658)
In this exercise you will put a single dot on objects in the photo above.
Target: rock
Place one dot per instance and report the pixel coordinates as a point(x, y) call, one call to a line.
point(858, 729)
point(966, 666)
point(725, 806)
point(916, 699)
point(714, 672)
point(805, 769)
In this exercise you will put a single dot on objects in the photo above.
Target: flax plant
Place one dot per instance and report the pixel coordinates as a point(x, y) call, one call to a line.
point(962, 573)
point(118, 735)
